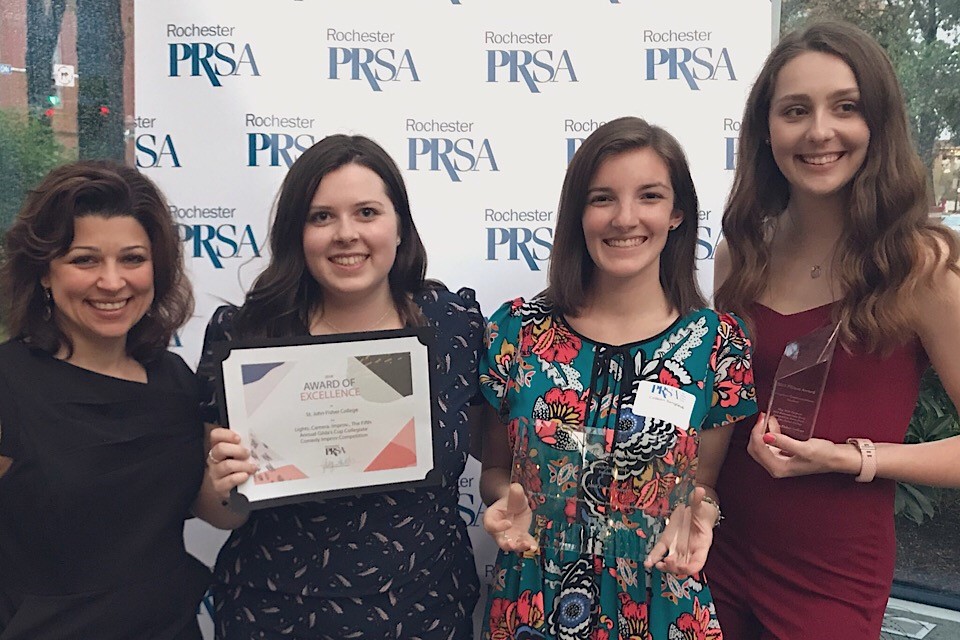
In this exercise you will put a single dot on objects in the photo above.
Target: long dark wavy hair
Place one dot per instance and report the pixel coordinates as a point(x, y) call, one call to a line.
point(284, 295)
point(889, 244)
point(571, 267)
point(43, 231)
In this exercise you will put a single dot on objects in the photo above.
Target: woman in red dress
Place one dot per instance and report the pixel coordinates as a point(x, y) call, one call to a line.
point(827, 223)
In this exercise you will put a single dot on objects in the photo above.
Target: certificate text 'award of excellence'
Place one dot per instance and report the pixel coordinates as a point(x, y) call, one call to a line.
point(332, 415)
point(800, 381)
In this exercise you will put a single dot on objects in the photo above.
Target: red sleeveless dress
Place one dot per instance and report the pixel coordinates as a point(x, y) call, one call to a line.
point(812, 557)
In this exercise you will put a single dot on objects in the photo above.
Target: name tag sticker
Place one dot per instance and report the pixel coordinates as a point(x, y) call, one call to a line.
point(663, 402)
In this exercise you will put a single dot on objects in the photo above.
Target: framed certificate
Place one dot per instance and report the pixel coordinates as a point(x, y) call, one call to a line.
point(327, 416)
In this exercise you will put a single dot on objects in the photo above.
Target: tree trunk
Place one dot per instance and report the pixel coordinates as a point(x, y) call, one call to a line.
point(43, 29)
point(100, 57)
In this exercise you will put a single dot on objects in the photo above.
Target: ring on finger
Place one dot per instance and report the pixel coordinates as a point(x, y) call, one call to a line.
point(212, 459)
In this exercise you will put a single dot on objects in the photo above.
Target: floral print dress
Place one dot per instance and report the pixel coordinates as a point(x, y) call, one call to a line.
point(589, 463)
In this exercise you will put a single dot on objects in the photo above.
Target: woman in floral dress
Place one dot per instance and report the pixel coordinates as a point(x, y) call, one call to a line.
point(609, 393)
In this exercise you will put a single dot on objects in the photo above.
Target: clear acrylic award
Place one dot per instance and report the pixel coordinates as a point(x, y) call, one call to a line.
point(586, 499)
point(800, 380)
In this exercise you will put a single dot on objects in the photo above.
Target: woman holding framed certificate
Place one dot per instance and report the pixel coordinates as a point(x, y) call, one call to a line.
point(346, 258)
point(610, 395)
point(827, 226)
point(101, 443)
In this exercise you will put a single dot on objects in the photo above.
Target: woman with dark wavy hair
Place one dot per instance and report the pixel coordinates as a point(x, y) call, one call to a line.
point(346, 258)
point(575, 427)
point(827, 225)
point(101, 443)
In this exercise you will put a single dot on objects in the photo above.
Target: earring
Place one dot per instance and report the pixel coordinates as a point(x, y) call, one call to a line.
point(48, 310)
point(766, 141)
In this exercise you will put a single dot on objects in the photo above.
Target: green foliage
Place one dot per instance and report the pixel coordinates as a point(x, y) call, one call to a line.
point(916, 502)
point(934, 418)
point(28, 150)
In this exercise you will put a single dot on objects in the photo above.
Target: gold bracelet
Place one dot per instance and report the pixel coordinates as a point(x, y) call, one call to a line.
point(716, 505)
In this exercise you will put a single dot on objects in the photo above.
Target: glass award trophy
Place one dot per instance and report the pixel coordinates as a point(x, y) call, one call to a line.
point(800, 380)
point(585, 499)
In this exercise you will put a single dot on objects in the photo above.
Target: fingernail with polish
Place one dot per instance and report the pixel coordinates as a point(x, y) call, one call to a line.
point(769, 438)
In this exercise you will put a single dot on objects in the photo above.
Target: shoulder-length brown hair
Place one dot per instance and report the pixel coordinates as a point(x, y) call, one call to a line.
point(888, 234)
point(283, 296)
point(571, 267)
point(43, 231)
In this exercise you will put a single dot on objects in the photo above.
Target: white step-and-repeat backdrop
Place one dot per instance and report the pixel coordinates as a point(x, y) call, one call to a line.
point(481, 102)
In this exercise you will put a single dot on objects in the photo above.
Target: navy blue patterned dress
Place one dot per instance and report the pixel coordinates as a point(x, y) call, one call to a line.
point(390, 565)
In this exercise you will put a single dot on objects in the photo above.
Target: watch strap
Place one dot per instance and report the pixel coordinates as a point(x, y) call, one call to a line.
point(868, 458)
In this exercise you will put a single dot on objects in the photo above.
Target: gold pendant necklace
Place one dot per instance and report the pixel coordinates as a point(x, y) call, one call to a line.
point(817, 269)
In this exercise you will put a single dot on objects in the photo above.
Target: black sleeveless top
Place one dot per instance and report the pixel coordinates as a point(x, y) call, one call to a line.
point(92, 509)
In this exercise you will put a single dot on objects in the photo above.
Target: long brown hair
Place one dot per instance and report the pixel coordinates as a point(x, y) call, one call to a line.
point(283, 296)
point(888, 236)
point(571, 266)
point(43, 231)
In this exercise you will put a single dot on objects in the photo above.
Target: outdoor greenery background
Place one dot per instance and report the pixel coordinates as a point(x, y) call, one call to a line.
point(28, 147)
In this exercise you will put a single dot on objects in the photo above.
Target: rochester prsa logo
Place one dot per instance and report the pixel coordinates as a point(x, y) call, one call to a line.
point(154, 149)
point(434, 145)
point(708, 235)
point(269, 147)
point(274, 149)
point(205, 235)
point(471, 507)
point(212, 59)
point(708, 238)
point(531, 66)
point(349, 59)
point(576, 131)
point(731, 143)
point(531, 245)
point(690, 62)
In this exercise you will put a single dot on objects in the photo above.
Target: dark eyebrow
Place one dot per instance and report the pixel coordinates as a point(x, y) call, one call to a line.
point(642, 187)
point(83, 247)
point(364, 203)
point(655, 185)
point(840, 93)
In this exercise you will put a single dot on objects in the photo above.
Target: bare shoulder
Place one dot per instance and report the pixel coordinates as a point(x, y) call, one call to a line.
point(941, 266)
point(937, 307)
point(936, 299)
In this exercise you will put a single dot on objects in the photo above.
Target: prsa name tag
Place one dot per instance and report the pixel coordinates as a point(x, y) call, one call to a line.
point(663, 402)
